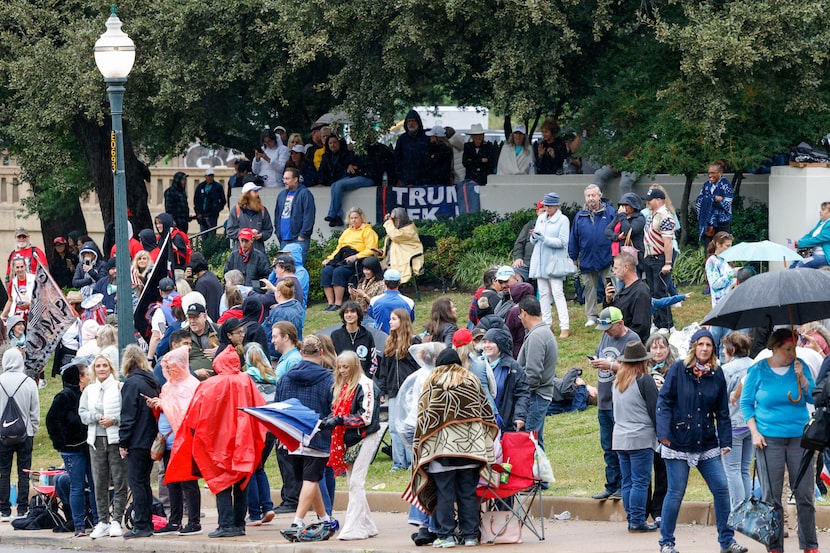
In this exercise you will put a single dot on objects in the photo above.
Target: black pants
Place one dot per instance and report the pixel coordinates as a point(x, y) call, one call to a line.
point(24, 461)
point(232, 504)
point(291, 483)
point(139, 466)
point(457, 487)
point(182, 493)
point(657, 491)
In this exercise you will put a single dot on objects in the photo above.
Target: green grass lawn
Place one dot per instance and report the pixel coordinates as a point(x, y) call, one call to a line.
point(571, 440)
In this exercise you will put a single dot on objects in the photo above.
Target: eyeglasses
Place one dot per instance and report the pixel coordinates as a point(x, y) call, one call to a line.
point(238, 331)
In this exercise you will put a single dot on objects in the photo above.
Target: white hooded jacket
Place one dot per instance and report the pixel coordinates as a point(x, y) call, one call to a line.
point(26, 396)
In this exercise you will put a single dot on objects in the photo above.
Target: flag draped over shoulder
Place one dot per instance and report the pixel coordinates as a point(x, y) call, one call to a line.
point(49, 316)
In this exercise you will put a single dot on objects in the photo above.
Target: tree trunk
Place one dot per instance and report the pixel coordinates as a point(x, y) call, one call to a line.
point(95, 142)
point(72, 218)
point(684, 210)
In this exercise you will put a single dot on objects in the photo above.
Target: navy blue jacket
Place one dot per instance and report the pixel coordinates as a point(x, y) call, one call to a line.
point(303, 212)
point(692, 412)
point(312, 385)
point(588, 243)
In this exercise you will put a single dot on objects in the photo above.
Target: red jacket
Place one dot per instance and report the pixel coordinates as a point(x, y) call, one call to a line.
point(224, 443)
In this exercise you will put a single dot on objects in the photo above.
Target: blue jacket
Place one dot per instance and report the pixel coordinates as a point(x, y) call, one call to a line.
point(381, 307)
point(291, 311)
point(300, 271)
point(312, 385)
point(693, 413)
point(303, 212)
point(588, 243)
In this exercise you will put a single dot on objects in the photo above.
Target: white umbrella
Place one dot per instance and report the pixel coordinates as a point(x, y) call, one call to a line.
point(760, 251)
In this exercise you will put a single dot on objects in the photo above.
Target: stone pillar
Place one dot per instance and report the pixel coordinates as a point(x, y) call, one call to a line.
point(795, 197)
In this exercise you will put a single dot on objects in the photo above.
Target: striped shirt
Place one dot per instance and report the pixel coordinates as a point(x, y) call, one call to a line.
point(659, 225)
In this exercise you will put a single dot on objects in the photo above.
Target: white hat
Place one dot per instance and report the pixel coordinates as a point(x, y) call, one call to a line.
point(476, 128)
point(299, 148)
point(280, 128)
point(209, 172)
point(437, 130)
point(249, 186)
point(519, 128)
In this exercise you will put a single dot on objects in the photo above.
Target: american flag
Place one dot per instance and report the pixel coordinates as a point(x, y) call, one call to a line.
point(49, 316)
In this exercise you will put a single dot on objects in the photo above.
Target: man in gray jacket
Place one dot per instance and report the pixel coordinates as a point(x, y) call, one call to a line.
point(23, 389)
point(538, 356)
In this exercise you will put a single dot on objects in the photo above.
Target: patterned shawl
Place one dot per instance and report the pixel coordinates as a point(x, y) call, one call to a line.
point(454, 420)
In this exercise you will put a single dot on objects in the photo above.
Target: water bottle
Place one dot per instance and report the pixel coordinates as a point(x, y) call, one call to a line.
point(13, 494)
point(43, 480)
point(566, 165)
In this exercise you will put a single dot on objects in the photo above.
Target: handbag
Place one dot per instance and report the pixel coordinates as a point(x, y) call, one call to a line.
point(500, 527)
point(709, 232)
point(628, 246)
point(756, 519)
point(350, 456)
point(159, 446)
point(560, 267)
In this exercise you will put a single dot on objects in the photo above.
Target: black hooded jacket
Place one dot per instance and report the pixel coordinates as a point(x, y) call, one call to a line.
point(253, 314)
point(67, 432)
point(411, 153)
point(138, 426)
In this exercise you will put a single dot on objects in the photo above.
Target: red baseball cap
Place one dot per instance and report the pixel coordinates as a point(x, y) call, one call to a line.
point(462, 337)
point(59, 240)
point(246, 234)
point(540, 205)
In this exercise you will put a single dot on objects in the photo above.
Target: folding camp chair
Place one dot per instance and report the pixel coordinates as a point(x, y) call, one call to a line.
point(46, 494)
point(518, 495)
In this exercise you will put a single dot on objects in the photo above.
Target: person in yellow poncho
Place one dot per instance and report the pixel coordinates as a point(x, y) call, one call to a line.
point(402, 243)
point(357, 241)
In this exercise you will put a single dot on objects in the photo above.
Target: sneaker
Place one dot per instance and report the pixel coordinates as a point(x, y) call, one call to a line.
point(136, 533)
point(658, 521)
point(192, 529)
point(102, 530)
point(445, 542)
point(291, 534)
point(470, 542)
point(734, 547)
point(41, 384)
point(590, 322)
point(5, 517)
point(668, 548)
point(268, 517)
point(334, 525)
point(253, 522)
point(168, 529)
point(116, 531)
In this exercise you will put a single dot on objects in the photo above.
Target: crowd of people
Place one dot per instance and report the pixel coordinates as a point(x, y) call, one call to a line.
point(451, 386)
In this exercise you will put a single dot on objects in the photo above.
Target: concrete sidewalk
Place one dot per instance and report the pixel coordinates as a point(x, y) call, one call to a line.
point(576, 535)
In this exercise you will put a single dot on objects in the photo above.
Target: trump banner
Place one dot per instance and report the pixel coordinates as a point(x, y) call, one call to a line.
point(49, 316)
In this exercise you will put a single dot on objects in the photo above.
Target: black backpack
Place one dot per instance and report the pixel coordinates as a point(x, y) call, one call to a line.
point(12, 423)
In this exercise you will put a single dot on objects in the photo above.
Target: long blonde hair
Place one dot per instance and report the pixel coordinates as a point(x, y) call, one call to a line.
point(255, 357)
point(352, 361)
point(327, 351)
point(464, 352)
point(628, 373)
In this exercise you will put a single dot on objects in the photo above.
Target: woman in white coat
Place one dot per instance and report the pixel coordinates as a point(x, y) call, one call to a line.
point(550, 239)
point(100, 410)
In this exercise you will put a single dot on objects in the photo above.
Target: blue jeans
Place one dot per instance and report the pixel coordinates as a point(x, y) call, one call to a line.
point(612, 461)
point(815, 261)
point(536, 413)
point(327, 485)
point(80, 476)
point(635, 468)
point(401, 454)
point(736, 464)
point(259, 489)
point(677, 472)
point(718, 333)
point(338, 188)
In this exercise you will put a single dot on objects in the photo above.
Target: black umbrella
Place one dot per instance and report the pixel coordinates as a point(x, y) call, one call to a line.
point(787, 297)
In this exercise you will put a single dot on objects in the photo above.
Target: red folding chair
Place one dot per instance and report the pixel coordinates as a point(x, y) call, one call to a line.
point(521, 490)
point(47, 495)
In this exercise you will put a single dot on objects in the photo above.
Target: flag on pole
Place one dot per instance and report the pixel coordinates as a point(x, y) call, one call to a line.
point(49, 316)
point(151, 294)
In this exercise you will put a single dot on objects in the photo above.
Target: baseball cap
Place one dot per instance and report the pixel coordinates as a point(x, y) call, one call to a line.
point(462, 337)
point(167, 285)
point(20, 231)
point(519, 128)
point(298, 148)
point(437, 130)
point(59, 240)
point(654, 193)
point(246, 234)
point(608, 317)
point(209, 172)
point(250, 186)
point(283, 260)
point(540, 205)
point(505, 273)
point(392, 274)
point(196, 309)
point(279, 128)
